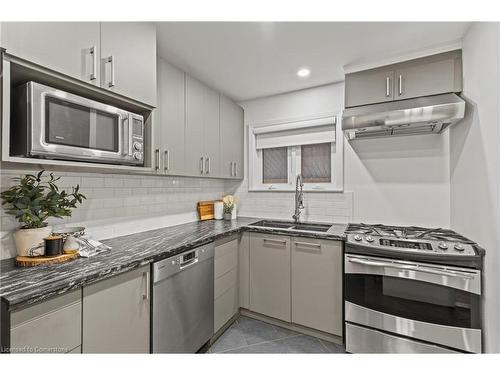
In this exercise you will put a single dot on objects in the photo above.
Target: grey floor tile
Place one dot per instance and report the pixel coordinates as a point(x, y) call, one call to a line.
point(230, 339)
point(256, 331)
point(332, 347)
point(294, 344)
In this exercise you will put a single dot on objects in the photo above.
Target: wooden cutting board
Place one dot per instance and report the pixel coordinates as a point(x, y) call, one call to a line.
point(206, 210)
point(42, 260)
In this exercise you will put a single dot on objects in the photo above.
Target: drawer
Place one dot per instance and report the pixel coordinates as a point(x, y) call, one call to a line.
point(225, 307)
point(225, 282)
point(226, 258)
point(50, 327)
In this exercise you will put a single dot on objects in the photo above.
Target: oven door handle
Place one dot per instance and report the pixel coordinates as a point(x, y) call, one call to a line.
point(410, 267)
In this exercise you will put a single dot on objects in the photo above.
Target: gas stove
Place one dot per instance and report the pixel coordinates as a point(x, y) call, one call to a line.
point(434, 245)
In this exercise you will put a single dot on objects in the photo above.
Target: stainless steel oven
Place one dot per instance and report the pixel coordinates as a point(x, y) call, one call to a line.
point(395, 306)
point(54, 124)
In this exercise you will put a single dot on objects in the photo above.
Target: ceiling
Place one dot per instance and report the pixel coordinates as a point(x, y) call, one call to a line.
point(246, 60)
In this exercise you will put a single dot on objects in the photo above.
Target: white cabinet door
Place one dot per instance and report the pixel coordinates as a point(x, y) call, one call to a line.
point(270, 275)
point(194, 142)
point(128, 59)
point(71, 48)
point(317, 284)
point(211, 133)
point(231, 135)
point(171, 121)
point(116, 314)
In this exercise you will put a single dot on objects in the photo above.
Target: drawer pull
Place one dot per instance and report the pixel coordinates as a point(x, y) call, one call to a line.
point(308, 244)
point(272, 240)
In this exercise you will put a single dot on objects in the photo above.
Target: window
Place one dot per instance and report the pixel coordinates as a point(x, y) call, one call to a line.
point(279, 152)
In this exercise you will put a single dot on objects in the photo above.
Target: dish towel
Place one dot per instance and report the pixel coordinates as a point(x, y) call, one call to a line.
point(86, 246)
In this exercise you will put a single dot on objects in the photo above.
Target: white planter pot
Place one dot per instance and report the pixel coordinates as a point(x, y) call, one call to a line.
point(29, 242)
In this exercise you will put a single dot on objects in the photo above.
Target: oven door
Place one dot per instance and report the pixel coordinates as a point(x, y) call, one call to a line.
point(69, 127)
point(437, 304)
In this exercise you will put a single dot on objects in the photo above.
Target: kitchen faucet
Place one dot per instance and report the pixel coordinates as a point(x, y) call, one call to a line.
point(299, 198)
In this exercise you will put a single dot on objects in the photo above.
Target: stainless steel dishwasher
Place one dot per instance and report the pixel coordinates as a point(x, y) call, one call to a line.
point(183, 301)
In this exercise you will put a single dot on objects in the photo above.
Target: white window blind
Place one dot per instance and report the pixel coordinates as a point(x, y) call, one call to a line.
point(313, 131)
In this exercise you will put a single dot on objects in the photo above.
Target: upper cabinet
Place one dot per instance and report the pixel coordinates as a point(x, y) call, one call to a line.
point(202, 143)
point(231, 136)
point(128, 59)
point(432, 75)
point(72, 48)
point(116, 56)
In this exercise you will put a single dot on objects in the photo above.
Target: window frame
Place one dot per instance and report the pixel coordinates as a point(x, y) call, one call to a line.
point(255, 161)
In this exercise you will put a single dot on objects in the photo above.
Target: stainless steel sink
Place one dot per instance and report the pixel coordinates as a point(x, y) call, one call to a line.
point(289, 225)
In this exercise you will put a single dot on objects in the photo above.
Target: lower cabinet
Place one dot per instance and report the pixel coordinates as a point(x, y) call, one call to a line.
point(53, 326)
point(116, 314)
point(226, 301)
point(317, 284)
point(270, 275)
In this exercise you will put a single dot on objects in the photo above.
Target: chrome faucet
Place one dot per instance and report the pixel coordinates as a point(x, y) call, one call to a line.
point(299, 198)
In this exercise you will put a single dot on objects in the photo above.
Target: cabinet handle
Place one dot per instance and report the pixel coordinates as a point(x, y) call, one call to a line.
point(93, 75)
point(235, 169)
point(400, 83)
point(207, 165)
point(231, 169)
point(202, 159)
point(308, 244)
point(145, 295)
point(157, 159)
point(387, 86)
point(166, 160)
point(272, 240)
point(111, 61)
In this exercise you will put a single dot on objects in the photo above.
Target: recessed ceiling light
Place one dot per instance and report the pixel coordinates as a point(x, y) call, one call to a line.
point(303, 72)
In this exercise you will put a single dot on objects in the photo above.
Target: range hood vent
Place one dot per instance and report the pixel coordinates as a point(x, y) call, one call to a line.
point(430, 114)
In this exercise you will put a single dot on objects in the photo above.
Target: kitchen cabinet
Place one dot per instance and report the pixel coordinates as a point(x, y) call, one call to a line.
point(431, 75)
point(116, 314)
point(226, 302)
point(316, 279)
point(170, 123)
point(231, 138)
point(71, 48)
point(270, 275)
point(202, 142)
point(128, 59)
point(52, 326)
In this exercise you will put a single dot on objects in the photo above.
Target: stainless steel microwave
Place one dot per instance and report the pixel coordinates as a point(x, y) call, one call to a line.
point(53, 124)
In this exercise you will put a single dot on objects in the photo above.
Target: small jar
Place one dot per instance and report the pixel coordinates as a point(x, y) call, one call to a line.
point(53, 245)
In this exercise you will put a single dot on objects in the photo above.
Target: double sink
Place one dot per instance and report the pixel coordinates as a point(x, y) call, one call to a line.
point(292, 226)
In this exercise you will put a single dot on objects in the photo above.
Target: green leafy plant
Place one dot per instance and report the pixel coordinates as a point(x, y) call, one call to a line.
point(36, 198)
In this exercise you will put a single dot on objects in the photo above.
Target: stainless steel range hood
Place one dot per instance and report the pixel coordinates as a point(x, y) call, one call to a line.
point(429, 114)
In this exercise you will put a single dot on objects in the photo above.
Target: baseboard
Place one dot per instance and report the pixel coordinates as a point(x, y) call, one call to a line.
point(224, 328)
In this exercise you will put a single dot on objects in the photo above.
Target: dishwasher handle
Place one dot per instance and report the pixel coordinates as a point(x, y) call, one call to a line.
point(181, 262)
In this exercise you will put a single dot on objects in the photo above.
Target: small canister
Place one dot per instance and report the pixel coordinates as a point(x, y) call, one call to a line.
point(218, 209)
point(53, 245)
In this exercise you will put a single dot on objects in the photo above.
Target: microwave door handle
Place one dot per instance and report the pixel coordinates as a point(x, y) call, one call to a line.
point(127, 139)
point(409, 267)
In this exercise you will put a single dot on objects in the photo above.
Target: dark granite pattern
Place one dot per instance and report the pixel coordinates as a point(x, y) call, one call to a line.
point(23, 286)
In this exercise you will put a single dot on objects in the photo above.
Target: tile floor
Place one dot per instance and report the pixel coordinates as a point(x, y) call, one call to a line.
point(247, 335)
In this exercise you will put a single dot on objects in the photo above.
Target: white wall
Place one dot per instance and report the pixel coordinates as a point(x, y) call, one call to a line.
point(117, 205)
point(475, 164)
point(401, 181)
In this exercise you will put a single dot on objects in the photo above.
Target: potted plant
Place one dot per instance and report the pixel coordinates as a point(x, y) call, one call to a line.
point(228, 206)
point(32, 201)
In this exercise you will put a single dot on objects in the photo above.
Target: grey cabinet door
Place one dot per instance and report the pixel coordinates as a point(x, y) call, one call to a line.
point(194, 157)
point(368, 87)
point(171, 103)
point(436, 75)
point(61, 46)
point(270, 275)
point(128, 59)
point(211, 136)
point(116, 314)
point(231, 129)
point(317, 284)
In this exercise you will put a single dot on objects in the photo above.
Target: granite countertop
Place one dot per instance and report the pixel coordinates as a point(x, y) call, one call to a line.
point(23, 286)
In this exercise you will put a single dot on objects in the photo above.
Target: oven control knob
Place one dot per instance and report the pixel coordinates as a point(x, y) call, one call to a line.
point(137, 155)
point(137, 146)
point(358, 237)
point(443, 245)
point(369, 238)
point(459, 247)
